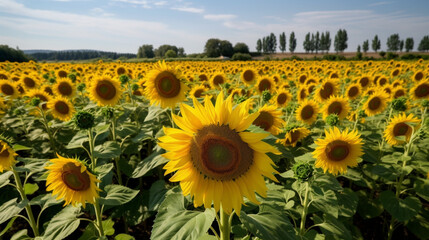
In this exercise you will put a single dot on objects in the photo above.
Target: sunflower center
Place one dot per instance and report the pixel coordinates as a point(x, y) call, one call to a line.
point(419, 76)
point(167, 85)
point(65, 89)
point(400, 129)
point(62, 107)
point(74, 178)
point(399, 93)
point(7, 89)
point(364, 81)
point(282, 98)
point(382, 81)
point(302, 94)
point(248, 76)
point(335, 108)
point(48, 90)
point(353, 91)
point(198, 93)
point(4, 154)
point(294, 136)
point(264, 120)
point(3, 76)
point(120, 71)
point(422, 90)
point(307, 112)
point(43, 99)
point(264, 85)
point(219, 153)
point(337, 150)
point(106, 90)
point(374, 103)
point(327, 90)
point(217, 80)
point(62, 74)
point(29, 82)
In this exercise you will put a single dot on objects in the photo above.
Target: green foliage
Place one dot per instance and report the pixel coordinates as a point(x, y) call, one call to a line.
point(409, 44)
point(12, 55)
point(84, 120)
point(393, 42)
point(292, 42)
point(145, 51)
point(400, 104)
point(424, 44)
point(376, 43)
point(340, 42)
point(241, 57)
point(241, 48)
point(170, 54)
point(365, 46)
point(282, 42)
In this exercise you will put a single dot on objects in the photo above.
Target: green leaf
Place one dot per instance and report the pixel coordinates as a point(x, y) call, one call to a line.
point(368, 207)
point(30, 188)
point(10, 209)
point(269, 223)
point(78, 140)
point(109, 149)
point(124, 236)
point(287, 174)
point(63, 223)
point(173, 221)
point(103, 170)
point(385, 171)
point(90, 232)
point(348, 202)
point(401, 209)
point(325, 201)
point(420, 225)
point(9, 224)
point(18, 147)
point(149, 163)
point(422, 188)
point(21, 235)
point(401, 138)
point(117, 195)
point(332, 227)
point(4, 178)
point(45, 200)
point(108, 227)
point(207, 237)
point(154, 112)
point(156, 195)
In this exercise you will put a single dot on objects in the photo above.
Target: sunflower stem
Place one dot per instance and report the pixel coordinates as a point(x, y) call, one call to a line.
point(118, 169)
point(357, 116)
point(48, 130)
point(171, 117)
point(99, 217)
point(382, 140)
point(30, 215)
point(91, 150)
point(225, 227)
point(304, 211)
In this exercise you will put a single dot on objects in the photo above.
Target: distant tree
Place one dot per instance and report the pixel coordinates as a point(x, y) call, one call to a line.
point(358, 49)
point(340, 42)
point(358, 53)
point(181, 52)
point(259, 45)
point(307, 43)
point(317, 42)
point(401, 45)
point(393, 42)
point(170, 54)
point(226, 48)
point(272, 43)
point(282, 42)
point(376, 44)
point(145, 51)
point(212, 47)
point(312, 43)
point(328, 41)
point(409, 44)
point(12, 55)
point(424, 44)
point(265, 43)
point(241, 48)
point(292, 42)
point(322, 43)
point(365, 46)
point(161, 50)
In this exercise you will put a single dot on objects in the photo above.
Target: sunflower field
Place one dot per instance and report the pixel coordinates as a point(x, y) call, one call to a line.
point(214, 150)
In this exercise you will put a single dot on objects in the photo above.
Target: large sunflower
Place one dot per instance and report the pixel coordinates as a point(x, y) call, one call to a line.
point(269, 119)
point(294, 135)
point(336, 105)
point(400, 126)
point(7, 157)
point(163, 86)
point(61, 108)
point(105, 91)
point(376, 103)
point(215, 159)
point(64, 87)
point(338, 150)
point(307, 111)
point(420, 90)
point(69, 179)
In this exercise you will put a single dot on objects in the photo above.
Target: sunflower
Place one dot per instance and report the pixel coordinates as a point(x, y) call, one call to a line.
point(353, 91)
point(105, 91)
point(215, 159)
point(7, 157)
point(8, 89)
point(364, 82)
point(419, 75)
point(198, 91)
point(68, 178)
point(293, 136)
point(163, 86)
point(399, 92)
point(29, 81)
point(61, 108)
point(302, 94)
point(400, 126)
point(64, 87)
point(265, 83)
point(248, 76)
point(307, 111)
point(376, 103)
point(61, 73)
point(326, 90)
point(217, 80)
point(420, 90)
point(336, 105)
point(338, 150)
point(282, 98)
point(43, 96)
point(269, 119)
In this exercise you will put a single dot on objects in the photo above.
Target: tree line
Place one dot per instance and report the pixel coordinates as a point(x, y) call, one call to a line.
point(12, 55)
point(78, 55)
point(168, 51)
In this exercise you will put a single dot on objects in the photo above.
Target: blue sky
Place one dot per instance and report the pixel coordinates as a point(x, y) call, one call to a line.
point(124, 25)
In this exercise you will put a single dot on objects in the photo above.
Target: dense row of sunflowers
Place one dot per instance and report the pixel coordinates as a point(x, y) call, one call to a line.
point(266, 149)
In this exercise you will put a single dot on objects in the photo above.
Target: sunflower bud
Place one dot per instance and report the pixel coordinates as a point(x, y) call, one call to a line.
point(134, 87)
point(332, 120)
point(72, 76)
point(84, 120)
point(35, 102)
point(240, 99)
point(302, 171)
point(425, 103)
point(52, 80)
point(399, 104)
point(266, 95)
point(108, 112)
point(124, 79)
point(81, 87)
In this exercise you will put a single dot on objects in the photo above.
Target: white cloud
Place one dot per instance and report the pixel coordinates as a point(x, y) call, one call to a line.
point(219, 17)
point(101, 12)
point(379, 4)
point(189, 9)
point(142, 3)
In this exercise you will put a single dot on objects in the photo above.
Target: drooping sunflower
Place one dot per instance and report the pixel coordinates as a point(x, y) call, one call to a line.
point(9, 89)
point(420, 90)
point(249, 76)
point(198, 91)
point(336, 105)
point(282, 98)
point(69, 179)
point(294, 135)
point(338, 150)
point(164, 86)
point(307, 111)
point(64, 87)
point(61, 108)
point(105, 91)
point(353, 91)
point(327, 89)
point(7, 157)
point(376, 103)
point(265, 83)
point(214, 158)
point(302, 94)
point(269, 119)
point(400, 126)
